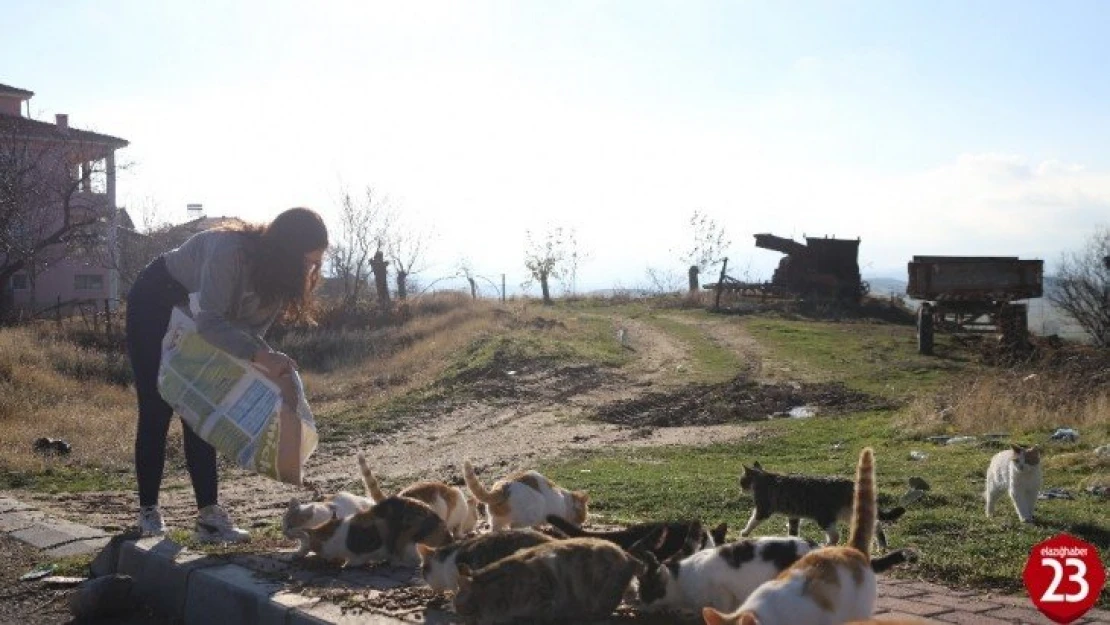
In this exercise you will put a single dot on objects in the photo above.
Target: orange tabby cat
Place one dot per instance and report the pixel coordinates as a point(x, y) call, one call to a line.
point(525, 499)
point(451, 503)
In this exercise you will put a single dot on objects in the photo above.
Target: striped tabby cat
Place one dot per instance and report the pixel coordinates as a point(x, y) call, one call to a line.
point(568, 581)
point(827, 586)
point(825, 500)
point(440, 565)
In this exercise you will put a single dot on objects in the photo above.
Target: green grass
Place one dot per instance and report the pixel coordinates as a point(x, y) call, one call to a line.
point(710, 361)
point(583, 338)
point(68, 479)
point(959, 546)
point(873, 357)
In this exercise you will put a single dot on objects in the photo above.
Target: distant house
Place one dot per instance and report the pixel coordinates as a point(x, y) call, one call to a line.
point(52, 172)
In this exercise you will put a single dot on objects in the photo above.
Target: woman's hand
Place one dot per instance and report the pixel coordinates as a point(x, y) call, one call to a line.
point(275, 363)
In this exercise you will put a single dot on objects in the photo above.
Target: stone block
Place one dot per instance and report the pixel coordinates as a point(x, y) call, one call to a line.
point(161, 570)
point(19, 519)
point(77, 547)
point(230, 593)
point(7, 504)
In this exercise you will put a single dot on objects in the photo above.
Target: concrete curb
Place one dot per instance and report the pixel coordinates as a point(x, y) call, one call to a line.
point(197, 588)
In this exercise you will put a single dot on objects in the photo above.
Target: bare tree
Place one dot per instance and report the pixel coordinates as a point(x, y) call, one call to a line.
point(708, 246)
point(575, 257)
point(466, 270)
point(406, 249)
point(52, 204)
point(545, 259)
point(1084, 286)
point(663, 281)
point(363, 227)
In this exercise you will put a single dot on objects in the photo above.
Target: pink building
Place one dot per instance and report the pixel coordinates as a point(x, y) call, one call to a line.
point(59, 223)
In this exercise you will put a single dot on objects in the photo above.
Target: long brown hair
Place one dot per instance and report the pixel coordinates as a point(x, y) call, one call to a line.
point(278, 272)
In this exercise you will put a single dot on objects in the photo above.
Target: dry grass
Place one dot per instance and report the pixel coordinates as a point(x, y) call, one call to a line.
point(1011, 401)
point(405, 357)
point(51, 387)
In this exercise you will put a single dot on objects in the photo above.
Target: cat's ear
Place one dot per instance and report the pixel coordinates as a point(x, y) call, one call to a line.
point(719, 533)
point(747, 618)
point(757, 466)
point(712, 617)
point(1016, 448)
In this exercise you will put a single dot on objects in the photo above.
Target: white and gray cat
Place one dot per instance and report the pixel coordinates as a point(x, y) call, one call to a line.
point(1016, 471)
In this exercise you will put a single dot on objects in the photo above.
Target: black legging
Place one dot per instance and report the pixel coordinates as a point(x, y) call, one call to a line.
point(149, 305)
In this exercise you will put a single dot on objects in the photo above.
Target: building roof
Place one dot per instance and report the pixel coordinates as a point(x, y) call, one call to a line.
point(10, 90)
point(23, 128)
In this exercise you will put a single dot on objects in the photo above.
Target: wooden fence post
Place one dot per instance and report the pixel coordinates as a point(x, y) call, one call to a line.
point(720, 286)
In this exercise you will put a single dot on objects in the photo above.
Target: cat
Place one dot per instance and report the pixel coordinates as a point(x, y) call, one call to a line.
point(525, 499)
point(439, 565)
point(676, 535)
point(458, 510)
point(827, 586)
point(1017, 471)
point(721, 577)
point(826, 500)
point(568, 581)
point(388, 531)
point(299, 518)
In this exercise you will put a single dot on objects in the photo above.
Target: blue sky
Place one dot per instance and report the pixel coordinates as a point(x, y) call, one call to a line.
point(923, 128)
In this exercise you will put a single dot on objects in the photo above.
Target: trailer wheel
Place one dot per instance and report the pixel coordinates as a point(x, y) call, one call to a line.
point(925, 330)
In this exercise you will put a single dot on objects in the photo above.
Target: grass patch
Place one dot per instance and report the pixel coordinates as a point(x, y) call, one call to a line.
point(876, 358)
point(67, 479)
point(711, 361)
point(959, 545)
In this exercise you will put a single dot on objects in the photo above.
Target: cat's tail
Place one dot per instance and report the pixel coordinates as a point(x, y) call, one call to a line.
point(566, 527)
point(369, 482)
point(476, 487)
point(864, 504)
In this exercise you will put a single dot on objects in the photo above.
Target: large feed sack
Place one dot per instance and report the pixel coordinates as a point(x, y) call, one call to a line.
point(262, 422)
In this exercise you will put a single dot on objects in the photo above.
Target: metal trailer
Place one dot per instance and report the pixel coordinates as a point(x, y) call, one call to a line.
point(973, 294)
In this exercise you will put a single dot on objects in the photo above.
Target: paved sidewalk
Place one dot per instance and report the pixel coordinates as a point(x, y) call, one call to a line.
point(271, 589)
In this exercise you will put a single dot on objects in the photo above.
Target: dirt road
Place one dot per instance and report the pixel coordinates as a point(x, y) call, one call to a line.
point(526, 419)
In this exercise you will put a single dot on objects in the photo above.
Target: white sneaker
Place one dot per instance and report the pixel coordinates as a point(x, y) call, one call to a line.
point(215, 526)
point(150, 521)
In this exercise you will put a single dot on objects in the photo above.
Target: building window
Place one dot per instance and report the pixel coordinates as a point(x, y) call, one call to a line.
point(88, 282)
point(19, 282)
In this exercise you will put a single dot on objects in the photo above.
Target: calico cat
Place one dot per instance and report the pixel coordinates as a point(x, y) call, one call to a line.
point(721, 577)
point(1016, 471)
point(568, 581)
point(826, 500)
point(300, 518)
point(827, 586)
point(525, 499)
point(388, 531)
point(451, 503)
point(677, 533)
point(439, 566)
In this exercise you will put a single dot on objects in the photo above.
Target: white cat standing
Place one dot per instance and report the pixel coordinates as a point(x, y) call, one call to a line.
point(1016, 471)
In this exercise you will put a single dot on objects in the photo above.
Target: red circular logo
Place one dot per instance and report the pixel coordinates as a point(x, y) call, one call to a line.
point(1064, 576)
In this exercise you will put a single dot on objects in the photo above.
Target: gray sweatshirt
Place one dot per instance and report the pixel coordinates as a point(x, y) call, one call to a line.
point(215, 265)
